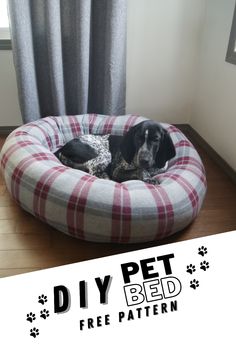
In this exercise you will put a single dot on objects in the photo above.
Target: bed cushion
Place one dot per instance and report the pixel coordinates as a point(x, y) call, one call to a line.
point(95, 209)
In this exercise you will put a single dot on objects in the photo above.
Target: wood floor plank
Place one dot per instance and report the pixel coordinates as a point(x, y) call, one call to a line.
point(28, 241)
point(10, 212)
point(31, 225)
point(1, 180)
point(7, 227)
point(11, 271)
point(5, 200)
point(38, 258)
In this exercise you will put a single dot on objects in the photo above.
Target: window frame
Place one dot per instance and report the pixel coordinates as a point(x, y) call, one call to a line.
point(5, 44)
point(231, 51)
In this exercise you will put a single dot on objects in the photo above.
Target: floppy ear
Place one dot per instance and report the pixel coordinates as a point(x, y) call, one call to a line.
point(166, 150)
point(127, 146)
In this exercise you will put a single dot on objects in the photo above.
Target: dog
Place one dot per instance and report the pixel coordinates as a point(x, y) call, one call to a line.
point(140, 154)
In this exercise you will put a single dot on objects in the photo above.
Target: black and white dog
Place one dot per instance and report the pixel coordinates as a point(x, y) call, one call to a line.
point(141, 153)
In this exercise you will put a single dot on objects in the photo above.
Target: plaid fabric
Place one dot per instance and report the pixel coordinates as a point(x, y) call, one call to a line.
point(94, 209)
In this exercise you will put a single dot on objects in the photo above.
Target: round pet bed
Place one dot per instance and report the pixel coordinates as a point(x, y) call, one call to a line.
point(95, 209)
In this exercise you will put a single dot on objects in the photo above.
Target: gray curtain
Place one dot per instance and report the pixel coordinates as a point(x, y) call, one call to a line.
point(69, 55)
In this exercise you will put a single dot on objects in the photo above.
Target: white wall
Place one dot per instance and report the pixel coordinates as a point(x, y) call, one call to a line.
point(9, 106)
point(214, 109)
point(162, 50)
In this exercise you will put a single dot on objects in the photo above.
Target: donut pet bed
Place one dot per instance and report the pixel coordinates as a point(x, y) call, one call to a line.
point(95, 209)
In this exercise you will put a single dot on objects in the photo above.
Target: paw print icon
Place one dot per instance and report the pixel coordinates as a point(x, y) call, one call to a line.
point(44, 314)
point(30, 317)
point(191, 268)
point(204, 265)
point(34, 332)
point(194, 284)
point(42, 299)
point(202, 251)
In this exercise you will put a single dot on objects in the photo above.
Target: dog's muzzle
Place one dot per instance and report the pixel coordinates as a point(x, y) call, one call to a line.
point(145, 159)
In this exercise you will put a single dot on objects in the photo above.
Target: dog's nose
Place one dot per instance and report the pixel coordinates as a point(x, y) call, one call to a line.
point(144, 162)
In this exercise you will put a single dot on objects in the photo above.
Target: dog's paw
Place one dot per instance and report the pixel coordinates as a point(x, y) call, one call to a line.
point(104, 175)
point(152, 181)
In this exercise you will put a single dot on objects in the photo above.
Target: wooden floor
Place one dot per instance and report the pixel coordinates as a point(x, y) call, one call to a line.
point(27, 244)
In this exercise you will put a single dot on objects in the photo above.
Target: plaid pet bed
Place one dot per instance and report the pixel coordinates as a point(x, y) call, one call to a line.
point(91, 208)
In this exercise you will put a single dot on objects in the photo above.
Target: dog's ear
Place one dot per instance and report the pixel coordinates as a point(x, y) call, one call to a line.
point(166, 150)
point(127, 146)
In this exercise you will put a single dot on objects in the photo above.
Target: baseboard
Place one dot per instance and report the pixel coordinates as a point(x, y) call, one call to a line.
point(183, 127)
point(7, 130)
point(186, 128)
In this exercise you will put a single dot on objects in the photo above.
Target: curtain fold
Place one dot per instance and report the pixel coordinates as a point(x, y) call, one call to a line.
point(69, 55)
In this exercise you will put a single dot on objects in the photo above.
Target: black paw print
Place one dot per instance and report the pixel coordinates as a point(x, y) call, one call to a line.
point(42, 299)
point(194, 284)
point(202, 251)
point(34, 332)
point(204, 265)
point(44, 314)
point(191, 268)
point(30, 317)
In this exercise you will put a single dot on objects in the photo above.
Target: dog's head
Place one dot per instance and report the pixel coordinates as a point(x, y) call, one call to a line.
point(147, 145)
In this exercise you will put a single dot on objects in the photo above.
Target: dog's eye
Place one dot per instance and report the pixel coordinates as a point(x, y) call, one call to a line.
point(139, 137)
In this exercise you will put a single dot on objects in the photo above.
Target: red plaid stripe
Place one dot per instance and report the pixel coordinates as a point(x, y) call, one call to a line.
point(130, 122)
point(165, 213)
point(7, 154)
point(53, 126)
point(182, 143)
point(21, 168)
point(13, 148)
point(190, 190)
point(92, 120)
point(44, 131)
point(17, 176)
point(19, 133)
point(44, 156)
point(116, 213)
point(109, 122)
point(77, 205)
point(74, 125)
point(188, 161)
point(197, 173)
point(42, 190)
point(126, 216)
point(173, 129)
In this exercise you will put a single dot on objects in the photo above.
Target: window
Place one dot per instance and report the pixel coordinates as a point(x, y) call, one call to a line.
point(231, 52)
point(5, 42)
point(3, 14)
